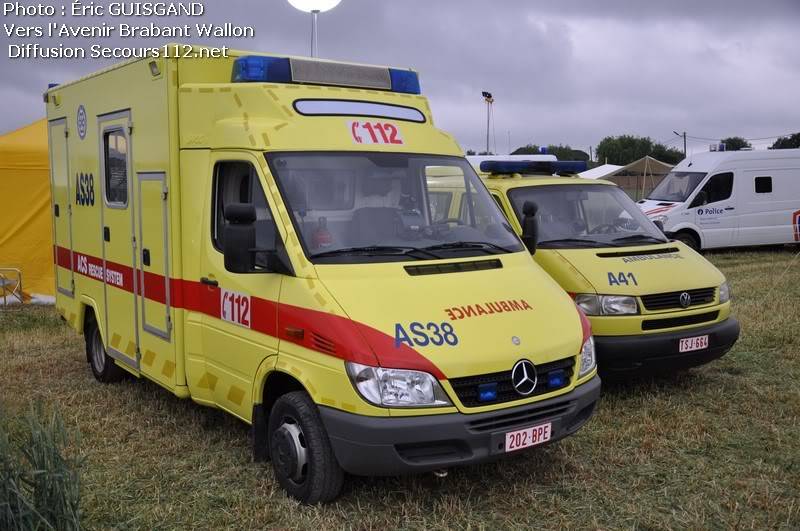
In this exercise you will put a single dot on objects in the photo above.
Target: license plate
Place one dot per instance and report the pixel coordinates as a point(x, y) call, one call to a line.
point(517, 440)
point(688, 344)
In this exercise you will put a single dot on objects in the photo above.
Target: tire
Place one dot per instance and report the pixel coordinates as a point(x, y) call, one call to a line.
point(103, 366)
point(297, 435)
point(688, 239)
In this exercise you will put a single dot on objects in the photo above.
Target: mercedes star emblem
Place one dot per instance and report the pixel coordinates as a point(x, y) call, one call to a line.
point(524, 377)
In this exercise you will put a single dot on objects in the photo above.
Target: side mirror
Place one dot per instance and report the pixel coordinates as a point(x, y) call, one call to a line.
point(239, 237)
point(530, 225)
point(660, 225)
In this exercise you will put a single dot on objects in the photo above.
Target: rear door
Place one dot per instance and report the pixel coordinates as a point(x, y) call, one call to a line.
point(119, 242)
point(715, 210)
point(62, 208)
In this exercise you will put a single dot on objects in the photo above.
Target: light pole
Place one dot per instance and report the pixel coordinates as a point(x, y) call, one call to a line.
point(684, 141)
point(487, 97)
point(315, 7)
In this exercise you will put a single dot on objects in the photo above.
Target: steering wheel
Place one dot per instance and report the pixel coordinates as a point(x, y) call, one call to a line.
point(606, 228)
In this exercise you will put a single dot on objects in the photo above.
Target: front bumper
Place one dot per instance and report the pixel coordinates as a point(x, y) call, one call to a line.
point(655, 353)
point(388, 446)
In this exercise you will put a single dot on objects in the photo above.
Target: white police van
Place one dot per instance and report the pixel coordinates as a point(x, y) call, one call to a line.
point(728, 199)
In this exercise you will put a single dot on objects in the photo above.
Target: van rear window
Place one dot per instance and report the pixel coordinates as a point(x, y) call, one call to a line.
point(763, 185)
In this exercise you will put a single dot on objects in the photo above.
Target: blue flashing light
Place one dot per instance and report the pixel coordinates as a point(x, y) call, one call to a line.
point(543, 167)
point(51, 85)
point(487, 392)
point(543, 150)
point(257, 68)
point(556, 379)
point(405, 81)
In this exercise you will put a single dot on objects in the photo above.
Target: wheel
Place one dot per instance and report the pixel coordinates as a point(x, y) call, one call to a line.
point(103, 367)
point(301, 452)
point(688, 239)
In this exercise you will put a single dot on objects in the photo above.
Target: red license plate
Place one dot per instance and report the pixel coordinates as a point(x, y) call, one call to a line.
point(688, 344)
point(517, 440)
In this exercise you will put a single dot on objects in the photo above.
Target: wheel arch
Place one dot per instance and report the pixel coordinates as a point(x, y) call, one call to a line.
point(274, 384)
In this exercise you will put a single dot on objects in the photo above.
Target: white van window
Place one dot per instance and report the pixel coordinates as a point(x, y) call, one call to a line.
point(718, 188)
point(237, 182)
point(677, 186)
point(763, 185)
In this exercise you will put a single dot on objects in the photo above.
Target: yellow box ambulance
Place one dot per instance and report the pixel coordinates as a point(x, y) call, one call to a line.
point(255, 233)
point(655, 305)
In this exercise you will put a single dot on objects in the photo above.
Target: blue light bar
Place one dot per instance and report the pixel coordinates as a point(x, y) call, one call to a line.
point(542, 167)
point(256, 68)
point(405, 81)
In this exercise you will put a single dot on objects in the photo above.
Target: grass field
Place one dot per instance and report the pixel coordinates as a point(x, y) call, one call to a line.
point(718, 447)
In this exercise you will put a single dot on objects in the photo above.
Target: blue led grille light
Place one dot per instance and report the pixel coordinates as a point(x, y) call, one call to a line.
point(544, 167)
point(487, 392)
point(556, 379)
point(405, 81)
point(256, 68)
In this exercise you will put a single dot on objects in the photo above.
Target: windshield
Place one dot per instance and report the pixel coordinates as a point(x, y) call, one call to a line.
point(590, 215)
point(379, 207)
point(677, 186)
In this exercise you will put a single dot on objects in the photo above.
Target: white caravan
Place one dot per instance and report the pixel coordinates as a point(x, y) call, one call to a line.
point(728, 199)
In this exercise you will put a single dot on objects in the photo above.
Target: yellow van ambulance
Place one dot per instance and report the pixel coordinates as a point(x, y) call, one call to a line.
point(654, 305)
point(255, 233)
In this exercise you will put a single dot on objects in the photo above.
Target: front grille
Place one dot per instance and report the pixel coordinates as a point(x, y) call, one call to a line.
point(520, 417)
point(466, 388)
point(685, 320)
point(666, 301)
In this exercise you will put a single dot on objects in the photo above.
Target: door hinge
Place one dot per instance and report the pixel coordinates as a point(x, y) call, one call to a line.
point(164, 194)
point(133, 241)
point(66, 132)
point(130, 128)
point(169, 323)
point(69, 209)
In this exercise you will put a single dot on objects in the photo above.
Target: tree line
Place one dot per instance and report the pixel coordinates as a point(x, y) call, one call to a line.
point(624, 149)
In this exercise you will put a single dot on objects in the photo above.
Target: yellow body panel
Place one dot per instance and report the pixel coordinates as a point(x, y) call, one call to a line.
point(158, 286)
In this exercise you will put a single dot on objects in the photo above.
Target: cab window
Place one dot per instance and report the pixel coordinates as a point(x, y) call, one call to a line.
point(115, 154)
point(718, 188)
point(237, 182)
point(440, 205)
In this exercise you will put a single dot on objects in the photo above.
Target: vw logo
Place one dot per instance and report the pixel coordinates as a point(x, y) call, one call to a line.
point(685, 300)
point(524, 377)
point(81, 122)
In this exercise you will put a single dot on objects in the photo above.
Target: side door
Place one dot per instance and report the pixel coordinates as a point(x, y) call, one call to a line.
point(62, 206)
point(153, 278)
point(119, 242)
point(239, 324)
point(715, 213)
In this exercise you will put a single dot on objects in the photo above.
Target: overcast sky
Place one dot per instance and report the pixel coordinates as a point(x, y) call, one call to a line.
point(561, 71)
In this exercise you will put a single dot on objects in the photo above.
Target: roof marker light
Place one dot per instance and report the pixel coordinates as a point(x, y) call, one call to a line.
point(405, 81)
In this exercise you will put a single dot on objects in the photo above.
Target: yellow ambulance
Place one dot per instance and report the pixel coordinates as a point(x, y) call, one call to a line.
point(655, 305)
point(255, 233)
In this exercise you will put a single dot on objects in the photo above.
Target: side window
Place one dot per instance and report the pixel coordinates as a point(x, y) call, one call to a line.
point(440, 205)
point(237, 182)
point(718, 188)
point(115, 153)
point(763, 185)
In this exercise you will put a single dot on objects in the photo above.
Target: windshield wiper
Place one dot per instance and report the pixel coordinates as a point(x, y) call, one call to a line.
point(375, 250)
point(483, 246)
point(588, 243)
point(639, 237)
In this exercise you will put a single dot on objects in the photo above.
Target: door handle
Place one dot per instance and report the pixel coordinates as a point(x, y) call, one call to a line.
point(730, 208)
point(209, 282)
point(107, 234)
point(146, 257)
point(55, 210)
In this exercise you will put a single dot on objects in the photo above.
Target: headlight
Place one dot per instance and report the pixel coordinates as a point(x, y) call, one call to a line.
point(588, 360)
point(396, 387)
point(660, 219)
point(607, 304)
point(724, 292)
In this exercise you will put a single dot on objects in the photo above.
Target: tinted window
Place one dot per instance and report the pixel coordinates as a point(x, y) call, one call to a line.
point(718, 188)
point(763, 185)
point(676, 186)
point(115, 149)
point(237, 182)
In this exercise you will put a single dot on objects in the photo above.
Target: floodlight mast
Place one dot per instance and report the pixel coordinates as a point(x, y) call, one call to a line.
point(315, 7)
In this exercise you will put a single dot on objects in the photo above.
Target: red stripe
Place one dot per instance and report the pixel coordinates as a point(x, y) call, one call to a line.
point(657, 210)
point(323, 332)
